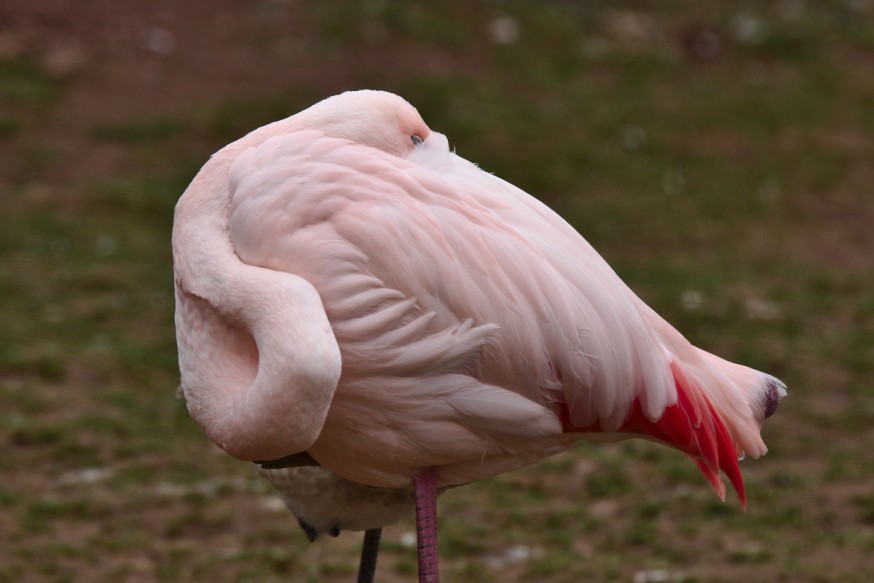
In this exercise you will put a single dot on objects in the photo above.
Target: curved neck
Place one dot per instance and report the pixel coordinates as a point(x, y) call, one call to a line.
point(258, 359)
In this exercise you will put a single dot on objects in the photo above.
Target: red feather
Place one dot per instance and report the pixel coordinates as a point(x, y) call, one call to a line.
point(691, 425)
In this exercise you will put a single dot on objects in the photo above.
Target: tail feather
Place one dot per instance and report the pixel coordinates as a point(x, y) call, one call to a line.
point(693, 426)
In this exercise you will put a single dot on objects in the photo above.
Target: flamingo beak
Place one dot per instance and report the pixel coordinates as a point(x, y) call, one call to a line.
point(775, 391)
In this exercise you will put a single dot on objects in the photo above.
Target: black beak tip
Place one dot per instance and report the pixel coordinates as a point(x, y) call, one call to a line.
point(775, 391)
point(309, 530)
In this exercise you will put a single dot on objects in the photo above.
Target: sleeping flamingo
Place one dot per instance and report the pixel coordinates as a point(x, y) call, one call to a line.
point(351, 291)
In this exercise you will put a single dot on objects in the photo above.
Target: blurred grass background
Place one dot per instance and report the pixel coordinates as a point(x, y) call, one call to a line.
point(719, 156)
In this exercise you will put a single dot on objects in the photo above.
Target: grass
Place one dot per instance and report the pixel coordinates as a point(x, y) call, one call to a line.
point(730, 190)
point(26, 83)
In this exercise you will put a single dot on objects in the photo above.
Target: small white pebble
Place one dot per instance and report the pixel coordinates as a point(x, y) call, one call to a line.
point(408, 540)
point(85, 476)
point(517, 554)
point(273, 504)
point(504, 30)
point(159, 41)
point(659, 576)
point(633, 137)
point(169, 490)
point(691, 299)
point(629, 27)
point(761, 309)
point(749, 29)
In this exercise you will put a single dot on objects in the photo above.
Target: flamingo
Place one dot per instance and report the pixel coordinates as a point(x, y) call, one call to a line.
point(352, 292)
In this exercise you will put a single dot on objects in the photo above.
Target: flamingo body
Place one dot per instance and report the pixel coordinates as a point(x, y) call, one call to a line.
point(348, 286)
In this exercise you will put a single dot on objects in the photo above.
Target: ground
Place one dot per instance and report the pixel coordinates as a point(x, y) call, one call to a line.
point(719, 157)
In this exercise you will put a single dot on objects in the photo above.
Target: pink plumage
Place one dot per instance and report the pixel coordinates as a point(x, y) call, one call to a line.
point(348, 286)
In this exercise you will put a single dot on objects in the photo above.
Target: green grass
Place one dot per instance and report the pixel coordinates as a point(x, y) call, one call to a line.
point(731, 192)
point(26, 83)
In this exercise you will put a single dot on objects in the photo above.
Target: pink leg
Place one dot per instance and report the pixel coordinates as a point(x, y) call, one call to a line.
point(426, 525)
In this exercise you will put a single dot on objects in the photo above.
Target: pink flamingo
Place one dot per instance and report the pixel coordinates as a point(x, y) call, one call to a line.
point(348, 287)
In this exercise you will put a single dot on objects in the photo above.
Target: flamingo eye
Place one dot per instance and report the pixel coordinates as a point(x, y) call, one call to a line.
point(416, 139)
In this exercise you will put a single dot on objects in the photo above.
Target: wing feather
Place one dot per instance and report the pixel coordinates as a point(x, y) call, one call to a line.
point(420, 261)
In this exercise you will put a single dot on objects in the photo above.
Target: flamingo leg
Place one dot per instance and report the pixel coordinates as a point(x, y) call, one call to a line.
point(425, 484)
point(369, 553)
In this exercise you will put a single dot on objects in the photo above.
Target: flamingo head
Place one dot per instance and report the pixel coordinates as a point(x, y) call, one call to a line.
point(378, 119)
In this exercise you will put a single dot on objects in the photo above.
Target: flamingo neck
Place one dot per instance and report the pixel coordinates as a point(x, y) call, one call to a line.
point(258, 358)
